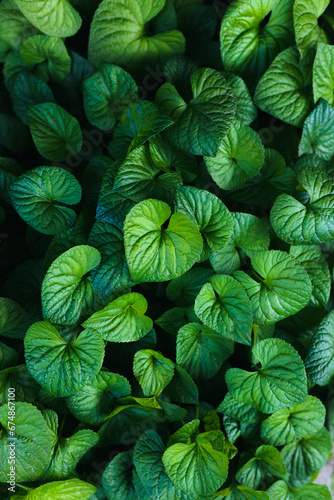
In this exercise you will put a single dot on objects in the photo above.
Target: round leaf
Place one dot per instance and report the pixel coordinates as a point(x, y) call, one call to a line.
point(67, 292)
point(240, 157)
point(280, 382)
point(117, 478)
point(14, 321)
point(33, 445)
point(152, 370)
point(201, 351)
point(281, 288)
point(319, 362)
point(56, 134)
point(157, 254)
point(223, 306)
point(38, 197)
point(61, 367)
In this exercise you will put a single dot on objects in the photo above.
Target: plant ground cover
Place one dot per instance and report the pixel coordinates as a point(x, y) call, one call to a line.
point(167, 248)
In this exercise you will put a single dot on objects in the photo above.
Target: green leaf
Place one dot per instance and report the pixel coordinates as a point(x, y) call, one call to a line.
point(71, 489)
point(56, 134)
point(141, 121)
point(14, 27)
point(236, 492)
point(246, 112)
point(107, 94)
point(240, 411)
point(240, 156)
point(305, 19)
point(152, 370)
point(147, 459)
point(123, 320)
point(40, 48)
point(14, 321)
point(68, 453)
point(182, 389)
point(184, 290)
point(249, 41)
point(170, 159)
point(126, 423)
point(8, 356)
point(177, 317)
point(157, 254)
point(296, 422)
point(20, 379)
point(281, 491)
point(323, 73)
point(318, 130)
point(52, 17)
point(27, 89)
point(266, 464)
point(33, 445)
point(309, 220)
point(59, 366)
point(67, 293)
point(94, 402)
point(280, 382)
point(112, 275)
point(186, 433)
point(196, 468)
point(284, 90)
point(223, 305)
point(126, 32)
point(208, 212)
point(280, 289)
point(307, 456)
point(200, 124)
point(249, 236)
point(117, 477)
point(40, 197)
point(316, 267)
point(138, 178)
point(201, 351)
point(273, 179)
point(319, 362)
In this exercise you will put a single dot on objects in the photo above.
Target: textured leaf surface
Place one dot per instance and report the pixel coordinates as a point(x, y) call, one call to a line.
point(305, 457)
point(152, 370)
point(305, 19)
point(318, 131)
point(121, 25)
point(52, 17)
point(201, 351)
point(71, 489)
point(319, 362)
point(107, 95)
point(281, 289)
point(240, 157)
point(310, 220)
point(61, 367)
point(249, 236)
point(123, 320)
point(323, 73)
point(40, 197)
point(40, 48)
point(55, 132)
point(223, 306)
point(94, 401)
point(283, 90)
point(280, 382)
point(67, 292)
point(249, 41)
point(200, 124)
point(208, 212)
point(157, 254)
point(196, 468)
point(184, 290)
point(14, 321)
point(296, 422)
point(117, 477)
point(33, 446)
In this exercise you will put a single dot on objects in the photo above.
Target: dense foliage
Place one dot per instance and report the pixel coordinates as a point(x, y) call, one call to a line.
point(167, 229)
